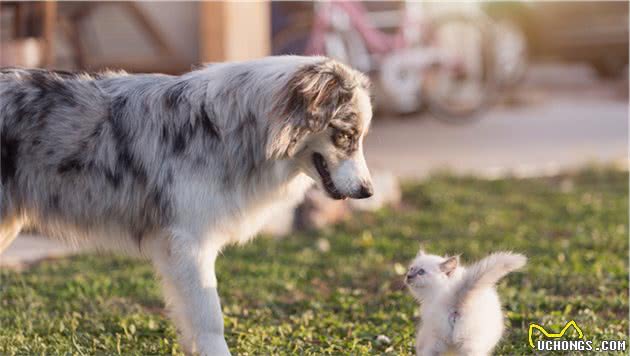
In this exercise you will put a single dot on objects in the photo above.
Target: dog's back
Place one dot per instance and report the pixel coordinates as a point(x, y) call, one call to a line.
point(77, 149)
point(111, 151)
point(42, 117)
point(128, 153)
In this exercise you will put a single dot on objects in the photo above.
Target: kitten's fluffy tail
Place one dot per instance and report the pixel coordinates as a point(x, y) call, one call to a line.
point(487, 272)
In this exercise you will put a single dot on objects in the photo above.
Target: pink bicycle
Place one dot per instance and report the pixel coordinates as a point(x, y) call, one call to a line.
point(443, 63)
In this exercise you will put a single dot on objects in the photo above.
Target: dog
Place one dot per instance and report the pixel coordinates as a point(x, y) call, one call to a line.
point(173, 168)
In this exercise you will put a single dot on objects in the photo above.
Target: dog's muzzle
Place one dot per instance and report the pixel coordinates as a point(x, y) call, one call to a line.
point(364, 190)
point(324, 173)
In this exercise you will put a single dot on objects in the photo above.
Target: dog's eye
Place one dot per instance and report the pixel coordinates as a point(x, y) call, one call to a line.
point(342, 138)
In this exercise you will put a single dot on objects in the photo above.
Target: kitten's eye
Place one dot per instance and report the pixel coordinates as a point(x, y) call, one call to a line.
point(421, 271)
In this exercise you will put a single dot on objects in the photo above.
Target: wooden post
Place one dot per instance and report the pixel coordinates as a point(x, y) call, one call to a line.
point(50, 22)
point(231, 31)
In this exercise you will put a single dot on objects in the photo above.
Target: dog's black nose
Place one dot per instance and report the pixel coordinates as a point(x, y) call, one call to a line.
point(366, 191)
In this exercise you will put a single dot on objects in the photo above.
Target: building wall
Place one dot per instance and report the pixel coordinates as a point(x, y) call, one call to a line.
point(112, 34)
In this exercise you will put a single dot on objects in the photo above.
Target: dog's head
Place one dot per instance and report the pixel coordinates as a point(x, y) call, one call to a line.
point(322, 117)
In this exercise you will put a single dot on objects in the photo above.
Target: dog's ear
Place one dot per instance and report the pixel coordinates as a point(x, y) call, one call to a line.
point(316, 92)
point(312, 97)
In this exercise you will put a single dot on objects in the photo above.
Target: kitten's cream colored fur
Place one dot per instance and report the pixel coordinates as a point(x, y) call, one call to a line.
point(460, 308)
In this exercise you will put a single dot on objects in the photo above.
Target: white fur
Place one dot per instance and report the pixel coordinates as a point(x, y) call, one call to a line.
point(460, 308)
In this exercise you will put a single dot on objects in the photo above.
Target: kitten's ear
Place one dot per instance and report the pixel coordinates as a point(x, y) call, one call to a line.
point(449, 265)
point(420, 252)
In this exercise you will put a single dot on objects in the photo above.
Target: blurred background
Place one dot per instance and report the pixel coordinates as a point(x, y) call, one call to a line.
point(521, 88)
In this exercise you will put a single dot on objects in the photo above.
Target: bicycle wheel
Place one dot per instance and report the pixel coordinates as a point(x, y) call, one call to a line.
point(464, 81)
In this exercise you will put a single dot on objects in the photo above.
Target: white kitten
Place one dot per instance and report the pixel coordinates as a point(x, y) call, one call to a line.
point(460, 307)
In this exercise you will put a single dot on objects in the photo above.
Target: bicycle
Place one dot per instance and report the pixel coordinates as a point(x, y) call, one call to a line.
point(421, 64)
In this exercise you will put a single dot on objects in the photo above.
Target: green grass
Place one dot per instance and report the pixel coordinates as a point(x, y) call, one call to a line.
point(289, 297)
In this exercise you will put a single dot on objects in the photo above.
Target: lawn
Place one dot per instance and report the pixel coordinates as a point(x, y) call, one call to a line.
point(335, 291)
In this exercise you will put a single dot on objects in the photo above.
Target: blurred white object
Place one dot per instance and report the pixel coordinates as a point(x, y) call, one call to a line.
point(383, 340)
point(386, 193)
point(318, 210)
point(401, 76)
point(511, 52)
point(23, 53)
point(323, 245)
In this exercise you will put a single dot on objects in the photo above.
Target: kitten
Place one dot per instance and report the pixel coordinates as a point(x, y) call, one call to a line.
point(460, 308)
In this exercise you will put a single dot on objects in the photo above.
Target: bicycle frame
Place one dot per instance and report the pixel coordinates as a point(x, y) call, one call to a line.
point(407, 64)
point(377, 42)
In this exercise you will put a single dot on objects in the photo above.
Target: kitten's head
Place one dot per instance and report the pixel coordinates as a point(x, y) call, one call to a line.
point(429, 273)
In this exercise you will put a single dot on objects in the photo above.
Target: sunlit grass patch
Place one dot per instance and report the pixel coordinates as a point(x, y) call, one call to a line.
point(290, 296)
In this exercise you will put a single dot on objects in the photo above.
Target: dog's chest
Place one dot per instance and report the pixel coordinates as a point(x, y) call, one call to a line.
point(256, 210)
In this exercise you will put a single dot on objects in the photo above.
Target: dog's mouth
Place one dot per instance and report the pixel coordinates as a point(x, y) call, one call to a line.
point(324, 174)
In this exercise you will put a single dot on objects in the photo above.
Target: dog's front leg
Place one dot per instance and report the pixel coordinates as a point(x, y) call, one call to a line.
point(190, 286)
